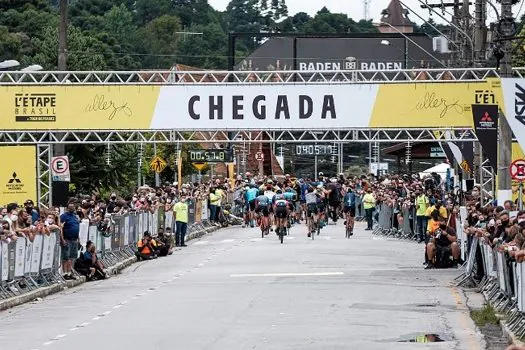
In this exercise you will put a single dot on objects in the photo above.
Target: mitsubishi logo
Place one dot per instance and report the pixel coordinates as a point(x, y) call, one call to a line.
point(14, 179)
point(486, 118)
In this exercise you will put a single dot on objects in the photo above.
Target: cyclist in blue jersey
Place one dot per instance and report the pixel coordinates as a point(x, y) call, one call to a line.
point(250, 196)
point(281, 211)
point(349, 209)
point(262, 207)
point(291, 196)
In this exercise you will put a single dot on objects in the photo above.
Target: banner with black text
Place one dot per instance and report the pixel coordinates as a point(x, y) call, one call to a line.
point(486, 120)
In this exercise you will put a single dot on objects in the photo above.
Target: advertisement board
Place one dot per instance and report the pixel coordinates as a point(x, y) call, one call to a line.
point(244, 107)
point(18, 174)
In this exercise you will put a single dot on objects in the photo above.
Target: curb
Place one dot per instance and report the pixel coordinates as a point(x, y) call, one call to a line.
point(59, 287)
point(39, 293)
point(509, 335)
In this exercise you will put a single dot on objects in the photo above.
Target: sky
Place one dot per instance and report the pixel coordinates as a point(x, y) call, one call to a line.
point(354, 8)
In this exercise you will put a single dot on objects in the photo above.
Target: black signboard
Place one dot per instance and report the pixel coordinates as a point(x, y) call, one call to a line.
point(486, 126)
point(315, 150)
point(210, 156)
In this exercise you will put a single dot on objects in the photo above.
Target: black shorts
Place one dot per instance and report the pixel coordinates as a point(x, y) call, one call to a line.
point(335, 204)
point(350, 210)
point(281, 212)
point(312, 209)
point(252, 205)
point(262, 209)
point(321, 207)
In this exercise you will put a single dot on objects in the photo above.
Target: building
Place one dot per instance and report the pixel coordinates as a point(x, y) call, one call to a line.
point(395, 16)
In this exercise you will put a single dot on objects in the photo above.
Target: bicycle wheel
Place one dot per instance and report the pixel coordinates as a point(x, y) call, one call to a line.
point(314, 229)
point(281, 235)
point(347, 231)
point(318, 227)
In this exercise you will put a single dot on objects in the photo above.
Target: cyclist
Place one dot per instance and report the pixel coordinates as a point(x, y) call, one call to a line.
point(334, 198)
point(322, 202)
point(291, 196)
point(280, 210)
point(250, 195)
point(349, 209)
point(312, 209)
point(261, 208)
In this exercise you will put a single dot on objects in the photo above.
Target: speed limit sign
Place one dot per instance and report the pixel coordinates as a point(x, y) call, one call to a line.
point(517, 170)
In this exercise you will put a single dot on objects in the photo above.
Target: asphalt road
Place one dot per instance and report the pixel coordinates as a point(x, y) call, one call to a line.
point(235, 290)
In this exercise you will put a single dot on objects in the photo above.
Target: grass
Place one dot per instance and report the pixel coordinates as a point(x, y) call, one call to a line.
point(484, 316)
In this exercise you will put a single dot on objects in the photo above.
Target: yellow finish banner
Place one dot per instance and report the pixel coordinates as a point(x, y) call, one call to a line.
point(18, 174)
point(433, 104)
point(77, 107)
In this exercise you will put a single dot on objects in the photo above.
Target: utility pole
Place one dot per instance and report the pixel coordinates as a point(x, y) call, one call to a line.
point(60, 189)
point(505, 133)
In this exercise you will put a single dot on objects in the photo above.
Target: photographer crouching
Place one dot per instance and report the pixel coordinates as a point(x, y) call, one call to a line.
point(442, 246)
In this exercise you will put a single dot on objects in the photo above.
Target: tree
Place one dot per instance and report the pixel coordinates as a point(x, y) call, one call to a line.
point(84, 50)
point(148, 10)
point(158, 41)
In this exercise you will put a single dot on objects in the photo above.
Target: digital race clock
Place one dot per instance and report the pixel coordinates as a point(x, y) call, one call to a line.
point(210, 156)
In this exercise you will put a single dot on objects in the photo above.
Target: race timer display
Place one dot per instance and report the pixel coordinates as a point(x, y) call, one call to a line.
point(210, 156)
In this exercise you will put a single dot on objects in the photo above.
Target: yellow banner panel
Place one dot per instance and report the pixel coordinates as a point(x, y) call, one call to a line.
point(431, 105)
point(77, 107)
point(18, 174)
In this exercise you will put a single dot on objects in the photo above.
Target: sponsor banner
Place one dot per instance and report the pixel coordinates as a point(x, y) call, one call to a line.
point(514, 93)
point(430, 105)
point(486, 127)
point(18, 174)
point(77, 107)
point(461, 152)
point(244, 107)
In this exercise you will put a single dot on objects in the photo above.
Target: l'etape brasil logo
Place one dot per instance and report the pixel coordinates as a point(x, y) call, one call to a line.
point(35, 107)
point(14, 185)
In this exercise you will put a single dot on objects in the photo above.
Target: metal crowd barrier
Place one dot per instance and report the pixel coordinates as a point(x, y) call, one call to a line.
point(389, 225)
point(26, 265)
point(502, 282)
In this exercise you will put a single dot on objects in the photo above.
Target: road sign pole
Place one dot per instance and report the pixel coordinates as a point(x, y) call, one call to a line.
point(157, 175)
point(520, 196)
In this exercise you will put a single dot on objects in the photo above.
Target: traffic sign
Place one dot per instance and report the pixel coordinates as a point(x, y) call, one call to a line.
point(199, 166)
point(517, 170)
point(259, 156)
point(158, 164)
point(60, 169)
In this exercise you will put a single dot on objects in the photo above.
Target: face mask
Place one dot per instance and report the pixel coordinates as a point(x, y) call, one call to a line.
point(443, 226)
point(50, 221)
point(505, 223)
point(520, 221)
point(14, 217)
point(71, 210)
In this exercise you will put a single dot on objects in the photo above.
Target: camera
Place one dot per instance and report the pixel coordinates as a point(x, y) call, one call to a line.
point(438, 233)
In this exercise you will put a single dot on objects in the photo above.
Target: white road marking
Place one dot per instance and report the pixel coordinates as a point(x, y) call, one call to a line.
point(227, 241)
point(73, 329)
point(292, 274)
point(289, 238)
point(326, 237)
point(59, 336)
point(117, 306)
point(48, 343)
point(83, 324)
point(95, 318)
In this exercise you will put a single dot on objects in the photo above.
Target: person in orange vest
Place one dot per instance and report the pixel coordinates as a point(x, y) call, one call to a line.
point(146, 248)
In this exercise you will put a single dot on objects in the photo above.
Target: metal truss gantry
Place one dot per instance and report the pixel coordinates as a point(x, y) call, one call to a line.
point(249, 77)
point(44, 188)
point(235, 137)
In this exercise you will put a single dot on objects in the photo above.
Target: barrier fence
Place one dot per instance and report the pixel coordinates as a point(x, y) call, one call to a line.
point(501, 278)
point(26, 265)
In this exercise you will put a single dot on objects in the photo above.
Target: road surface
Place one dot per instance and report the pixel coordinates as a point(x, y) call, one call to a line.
point(234, 290)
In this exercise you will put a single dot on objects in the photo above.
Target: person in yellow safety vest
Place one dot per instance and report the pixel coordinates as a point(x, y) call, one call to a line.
point(422, 203)
point(440, 208)
point(146, 248)
point(215, 200)
point(369, 204)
